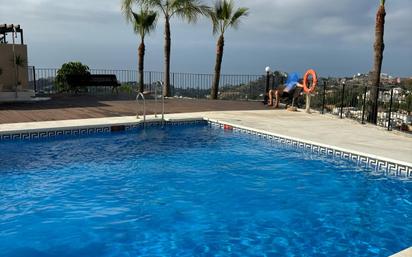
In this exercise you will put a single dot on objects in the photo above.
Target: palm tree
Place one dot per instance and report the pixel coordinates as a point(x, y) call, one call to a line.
point(143, 23)
point(223, 16)
point(379, 46)
point(20, 62)
point(186, 9)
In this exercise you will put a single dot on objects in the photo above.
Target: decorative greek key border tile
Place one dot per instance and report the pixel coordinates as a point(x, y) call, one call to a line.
point(53, 133)
point(186, 122)
point(165, 123)
point(96, 130)
point(389, 168)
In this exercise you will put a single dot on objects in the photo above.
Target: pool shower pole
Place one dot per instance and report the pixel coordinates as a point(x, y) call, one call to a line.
point(342, 99)
point(266, 98)
point(34, 79)
point(14, 34)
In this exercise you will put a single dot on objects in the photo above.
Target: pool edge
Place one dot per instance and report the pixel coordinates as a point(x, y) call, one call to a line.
point(106, 125)
point(395, 167)
point(405, 253)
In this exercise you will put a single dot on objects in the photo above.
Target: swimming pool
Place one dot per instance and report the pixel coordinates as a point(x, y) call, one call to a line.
point(193, 191)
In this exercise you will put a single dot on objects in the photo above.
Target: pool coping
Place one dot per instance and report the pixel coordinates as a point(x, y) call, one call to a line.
point(405, 253)
point(46, 129)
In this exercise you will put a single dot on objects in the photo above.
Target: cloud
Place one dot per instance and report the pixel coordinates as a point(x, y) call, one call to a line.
point(325, 32)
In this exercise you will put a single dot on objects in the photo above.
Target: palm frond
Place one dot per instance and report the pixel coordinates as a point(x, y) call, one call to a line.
point(158, 4)
point(235, 20)
point(144, 22)
point(189, 10)
point(224, 15)
point(228, 7)
point(126, 8)
point(215, 22)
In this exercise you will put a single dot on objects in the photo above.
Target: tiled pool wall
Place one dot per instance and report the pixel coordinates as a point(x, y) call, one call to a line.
point(59, 132)
point(391, 168)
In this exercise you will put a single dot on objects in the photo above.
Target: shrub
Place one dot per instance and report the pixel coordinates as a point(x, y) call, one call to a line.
point(70, 68)
point(126, 88)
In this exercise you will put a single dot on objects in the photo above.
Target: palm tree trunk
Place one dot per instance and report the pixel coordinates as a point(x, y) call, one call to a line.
point(218, 66)
point(166, 89)
point(379, 47)
point(17, 82)
point(142, 49)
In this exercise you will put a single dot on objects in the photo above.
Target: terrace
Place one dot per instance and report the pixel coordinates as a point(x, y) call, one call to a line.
point(89, 169)
point(321, 129)
point(339, 108)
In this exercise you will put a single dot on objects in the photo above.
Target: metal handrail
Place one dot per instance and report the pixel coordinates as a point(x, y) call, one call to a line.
point(159, 83)
point(144, 106)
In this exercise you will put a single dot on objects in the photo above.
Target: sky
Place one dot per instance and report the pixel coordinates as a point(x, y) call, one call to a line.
point(335, 37)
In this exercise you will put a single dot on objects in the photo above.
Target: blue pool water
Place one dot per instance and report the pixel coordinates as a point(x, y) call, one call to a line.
point(193, 191)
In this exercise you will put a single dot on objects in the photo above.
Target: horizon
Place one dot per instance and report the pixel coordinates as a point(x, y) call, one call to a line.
point(78, 31)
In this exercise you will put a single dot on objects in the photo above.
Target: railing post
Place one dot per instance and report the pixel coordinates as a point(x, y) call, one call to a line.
point(128, 77)
point(150, 77)
point(250, 87)
point(198, 85)
point(364, 105)
point(342, 99)
point(324, 97)
point(390, 110)
point(198, 91)
point(34, 79)
point(266, 99)
point(173, 81)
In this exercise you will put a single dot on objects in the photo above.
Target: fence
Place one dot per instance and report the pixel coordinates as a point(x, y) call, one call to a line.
point(344, 100)
point(232, 87)
point(354, 102)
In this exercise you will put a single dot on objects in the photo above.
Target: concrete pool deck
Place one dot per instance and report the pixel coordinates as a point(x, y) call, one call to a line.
point(321, 129)
point(404, 253)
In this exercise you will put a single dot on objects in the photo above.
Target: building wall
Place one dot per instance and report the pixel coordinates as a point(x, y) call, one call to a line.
point(8, 77)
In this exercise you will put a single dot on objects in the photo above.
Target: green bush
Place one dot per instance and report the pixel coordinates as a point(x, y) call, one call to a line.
point(70, 68)
point(126, 88)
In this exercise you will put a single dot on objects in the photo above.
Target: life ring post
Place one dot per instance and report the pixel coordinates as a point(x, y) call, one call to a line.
point(309, 90)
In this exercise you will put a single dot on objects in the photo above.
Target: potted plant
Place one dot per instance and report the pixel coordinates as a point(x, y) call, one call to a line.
point(20, 63)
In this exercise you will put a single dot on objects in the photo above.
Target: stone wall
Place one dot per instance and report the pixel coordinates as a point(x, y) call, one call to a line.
point(7, 76)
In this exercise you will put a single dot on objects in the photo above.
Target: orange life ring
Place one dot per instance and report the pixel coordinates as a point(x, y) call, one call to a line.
point(305, 81)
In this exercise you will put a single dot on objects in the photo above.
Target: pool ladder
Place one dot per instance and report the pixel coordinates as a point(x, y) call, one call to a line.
point(141, 95)
point(144, 106)
point(159, 83)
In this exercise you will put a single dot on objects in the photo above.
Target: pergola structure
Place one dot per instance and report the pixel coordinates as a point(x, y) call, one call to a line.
point(10, 28)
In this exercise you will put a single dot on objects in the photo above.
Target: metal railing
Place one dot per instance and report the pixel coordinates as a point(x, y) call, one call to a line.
point(344, 100)
point(140, 95)
point(354, 102)
point(156, 95)
point(187, 85)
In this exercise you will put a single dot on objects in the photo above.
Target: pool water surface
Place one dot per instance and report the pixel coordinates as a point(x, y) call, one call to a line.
point(193, 191)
